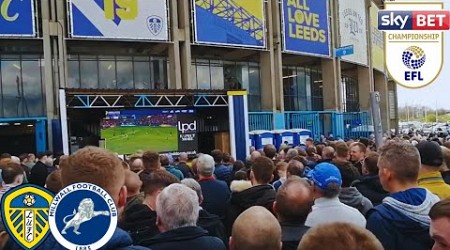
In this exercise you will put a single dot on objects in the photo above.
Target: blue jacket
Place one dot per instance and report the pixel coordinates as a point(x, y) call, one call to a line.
point(174, 171)
point(215, 196)
point(401, 222)
point(223, 173)
point(119, 241)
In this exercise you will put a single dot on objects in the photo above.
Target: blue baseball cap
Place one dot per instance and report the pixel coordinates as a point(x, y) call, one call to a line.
point(324, 174)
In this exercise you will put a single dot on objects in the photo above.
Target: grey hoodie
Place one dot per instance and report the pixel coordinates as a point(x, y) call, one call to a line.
point(352, 197)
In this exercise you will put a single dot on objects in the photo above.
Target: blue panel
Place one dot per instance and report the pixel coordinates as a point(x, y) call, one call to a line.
point(83, 26)
point(17, 18)
point(57, 136)
point(239, 126)
point(41, 136)
point(338, 125)
point(279, 120)
point(344, 51)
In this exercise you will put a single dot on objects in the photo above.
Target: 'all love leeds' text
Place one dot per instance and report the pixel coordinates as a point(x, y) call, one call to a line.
point(304, 24)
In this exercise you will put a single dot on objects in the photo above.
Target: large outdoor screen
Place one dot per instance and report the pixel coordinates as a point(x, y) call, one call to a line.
point(127, 131)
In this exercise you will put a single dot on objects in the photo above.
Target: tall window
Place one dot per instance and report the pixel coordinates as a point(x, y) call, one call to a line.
point(302, 88)
point(350, 94)
point(21, 86)
point(218, 74)
point(117, 72)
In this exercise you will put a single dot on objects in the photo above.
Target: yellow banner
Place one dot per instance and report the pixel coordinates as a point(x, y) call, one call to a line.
point(377, 40)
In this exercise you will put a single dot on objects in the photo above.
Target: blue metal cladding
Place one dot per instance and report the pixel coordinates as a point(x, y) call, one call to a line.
point(41, 136)
point(239, 126)
point(57, 136)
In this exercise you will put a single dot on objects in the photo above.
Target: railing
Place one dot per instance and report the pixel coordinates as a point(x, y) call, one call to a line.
point(341, 125)
point(260, 121)
point(357, 124)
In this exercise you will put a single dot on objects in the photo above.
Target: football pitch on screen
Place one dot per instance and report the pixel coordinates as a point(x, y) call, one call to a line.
point(128, 140)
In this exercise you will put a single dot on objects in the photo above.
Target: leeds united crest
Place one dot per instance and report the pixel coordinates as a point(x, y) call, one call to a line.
point(25, 214)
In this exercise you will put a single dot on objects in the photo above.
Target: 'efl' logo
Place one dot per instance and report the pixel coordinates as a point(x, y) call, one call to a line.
point(414, 41)
point(413, 20)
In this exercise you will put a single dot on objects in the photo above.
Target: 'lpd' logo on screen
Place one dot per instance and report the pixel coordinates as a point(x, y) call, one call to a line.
point(414, 46)
point(187, 127)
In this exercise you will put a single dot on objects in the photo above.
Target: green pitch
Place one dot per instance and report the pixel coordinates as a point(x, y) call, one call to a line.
point(128, 140)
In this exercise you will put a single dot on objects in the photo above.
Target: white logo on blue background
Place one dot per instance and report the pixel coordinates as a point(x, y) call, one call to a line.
point(83, 216)
point(155, 24)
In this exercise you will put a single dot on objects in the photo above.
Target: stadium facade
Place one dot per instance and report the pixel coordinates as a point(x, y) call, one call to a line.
point(73, 59)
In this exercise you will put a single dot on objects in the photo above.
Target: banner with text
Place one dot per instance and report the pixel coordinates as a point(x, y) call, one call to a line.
point(306, 27)
point(119, 19)
point(231, 23)
point(17, 18)
point(352, 29)
point(377, 40)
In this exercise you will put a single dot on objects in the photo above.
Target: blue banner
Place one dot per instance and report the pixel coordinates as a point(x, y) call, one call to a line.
point(230, 23)
point(306, 27)
point(17, 18)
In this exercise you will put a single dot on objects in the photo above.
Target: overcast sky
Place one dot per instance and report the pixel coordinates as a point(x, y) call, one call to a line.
point(437, 93)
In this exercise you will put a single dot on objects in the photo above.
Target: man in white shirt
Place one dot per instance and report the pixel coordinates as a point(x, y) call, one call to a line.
point(327, 208)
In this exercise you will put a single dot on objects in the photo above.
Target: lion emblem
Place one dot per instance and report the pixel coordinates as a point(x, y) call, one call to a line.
point(85, 213)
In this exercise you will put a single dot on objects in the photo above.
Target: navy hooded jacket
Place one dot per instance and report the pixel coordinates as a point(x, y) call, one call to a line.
point(401, 222)
point(184, 238)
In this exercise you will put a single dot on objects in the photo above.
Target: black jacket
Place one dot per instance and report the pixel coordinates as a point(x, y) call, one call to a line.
point(213, 225)
point(38, 174)
point(291, 235)
point(185, 238)
point(261, 195)
point(140, 222)
point(446, 176)
point(185, 169)
point(370, 187)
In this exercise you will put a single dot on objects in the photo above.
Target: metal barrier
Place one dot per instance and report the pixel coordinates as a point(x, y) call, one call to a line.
point(306, 120)
point(260, 121)
point(341, 125)
point(357, 124)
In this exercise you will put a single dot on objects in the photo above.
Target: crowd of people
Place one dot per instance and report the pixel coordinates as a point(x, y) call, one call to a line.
point(327, 195)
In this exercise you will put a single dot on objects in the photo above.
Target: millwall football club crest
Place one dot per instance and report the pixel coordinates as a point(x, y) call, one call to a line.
point(25, 214)
point(83, 216)
point(414, 41)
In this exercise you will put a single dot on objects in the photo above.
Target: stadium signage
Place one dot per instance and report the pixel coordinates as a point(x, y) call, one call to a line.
point(352, 29)
point(305, 24)
point(17, 18)
point(237, 23)
point(187, 127)
point(414, 41)
point(119, 19)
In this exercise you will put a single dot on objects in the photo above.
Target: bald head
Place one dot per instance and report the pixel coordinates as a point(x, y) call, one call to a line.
point(256, 229)
point(133, 183)
point(328, 153)
point(183, 157)
point(136, 165)
point(293, 201)
point(255, 155)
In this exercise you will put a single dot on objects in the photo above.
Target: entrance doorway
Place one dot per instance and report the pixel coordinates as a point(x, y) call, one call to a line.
point(19, 136)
